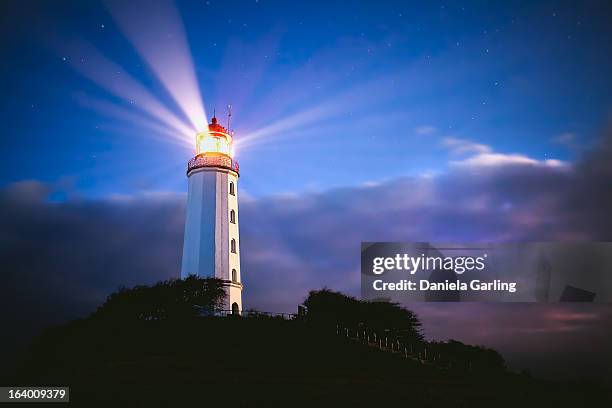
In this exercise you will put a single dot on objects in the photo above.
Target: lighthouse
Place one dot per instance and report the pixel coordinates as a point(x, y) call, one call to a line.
point(211, 246)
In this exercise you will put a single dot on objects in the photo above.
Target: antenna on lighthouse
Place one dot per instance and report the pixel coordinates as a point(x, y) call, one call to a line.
point(229, 116)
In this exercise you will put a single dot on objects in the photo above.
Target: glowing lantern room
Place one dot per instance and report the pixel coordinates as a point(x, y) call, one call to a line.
point(216, 141)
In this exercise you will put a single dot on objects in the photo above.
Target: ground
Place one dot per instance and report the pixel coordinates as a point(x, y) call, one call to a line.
point(261, 362)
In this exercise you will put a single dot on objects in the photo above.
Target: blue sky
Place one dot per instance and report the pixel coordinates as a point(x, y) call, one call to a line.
point(378, 87)
point(442, 121)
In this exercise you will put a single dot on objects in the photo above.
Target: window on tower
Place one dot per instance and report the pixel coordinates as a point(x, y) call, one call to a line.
point(234, 276)
point(233, 245)
point(233, 216)
point(232, 188)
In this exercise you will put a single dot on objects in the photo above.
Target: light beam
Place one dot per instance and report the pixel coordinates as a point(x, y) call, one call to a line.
point(156, 31)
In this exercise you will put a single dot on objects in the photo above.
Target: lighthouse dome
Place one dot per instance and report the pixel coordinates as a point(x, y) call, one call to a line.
point(214, 126)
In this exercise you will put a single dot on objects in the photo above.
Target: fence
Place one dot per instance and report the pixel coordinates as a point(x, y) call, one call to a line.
point(416, 351)
point(253, 314)
point(420, 352)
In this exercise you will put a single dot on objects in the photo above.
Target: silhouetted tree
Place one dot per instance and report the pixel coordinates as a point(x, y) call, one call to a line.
point(171, 299)
point(328, 307)
point(475, 357)
point(331, 308)
point(393, 319)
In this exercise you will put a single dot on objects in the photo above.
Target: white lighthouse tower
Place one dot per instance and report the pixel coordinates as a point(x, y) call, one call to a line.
point(212, 246)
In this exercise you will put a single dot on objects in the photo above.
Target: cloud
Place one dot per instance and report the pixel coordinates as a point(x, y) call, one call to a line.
point(552, 340)
point(60, 259)
point(570, 141)
point(500, 159)
point(462, 146)
point(565, 139)
point(425, 130)
point(481, 155)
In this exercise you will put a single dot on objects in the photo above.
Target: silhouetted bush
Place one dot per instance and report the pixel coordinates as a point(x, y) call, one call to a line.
point(331, 308)
point(171, 299)
point(326, 306)
point(470, 357)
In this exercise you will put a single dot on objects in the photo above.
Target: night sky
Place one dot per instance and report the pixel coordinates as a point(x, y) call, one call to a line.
point(372, 121)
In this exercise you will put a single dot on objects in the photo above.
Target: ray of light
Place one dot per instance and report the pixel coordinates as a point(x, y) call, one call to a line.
point(286, 124)
point(156, 31)
point(358, 103)
point(292, 136)
point(243, 66)
point(318, 113)
point(110, 76)
point(152, 127)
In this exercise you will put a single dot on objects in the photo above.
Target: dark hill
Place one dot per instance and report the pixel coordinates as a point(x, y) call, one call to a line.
point(232, 361)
